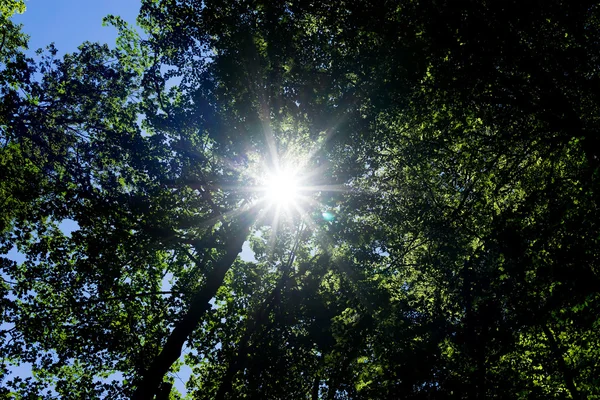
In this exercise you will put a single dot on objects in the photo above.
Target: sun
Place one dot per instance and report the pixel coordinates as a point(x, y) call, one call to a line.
point(282, 188)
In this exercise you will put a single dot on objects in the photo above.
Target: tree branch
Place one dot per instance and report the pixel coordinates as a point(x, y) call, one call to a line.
point(151, 379)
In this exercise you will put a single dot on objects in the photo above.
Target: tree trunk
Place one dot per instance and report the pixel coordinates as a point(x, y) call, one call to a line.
point(164, 391)
point(149, 384)
point(564, 368)
point(315, 388)
point(239, 361)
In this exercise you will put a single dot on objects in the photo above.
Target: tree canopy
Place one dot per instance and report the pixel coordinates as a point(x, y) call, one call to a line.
point(442, 243)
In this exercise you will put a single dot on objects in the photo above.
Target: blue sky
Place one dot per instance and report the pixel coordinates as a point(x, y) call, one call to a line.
point(68, 23)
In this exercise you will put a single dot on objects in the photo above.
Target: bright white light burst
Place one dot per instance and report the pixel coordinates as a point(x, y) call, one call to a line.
point(282, 189)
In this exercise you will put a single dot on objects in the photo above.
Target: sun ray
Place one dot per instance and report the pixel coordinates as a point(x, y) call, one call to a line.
point(304, 218)
point(326, 188)
point(243, 209)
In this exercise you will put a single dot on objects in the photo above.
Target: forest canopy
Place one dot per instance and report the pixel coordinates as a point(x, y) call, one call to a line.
point(418, 183)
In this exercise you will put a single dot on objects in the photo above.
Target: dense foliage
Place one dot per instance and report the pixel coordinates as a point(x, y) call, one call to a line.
point(449, 248)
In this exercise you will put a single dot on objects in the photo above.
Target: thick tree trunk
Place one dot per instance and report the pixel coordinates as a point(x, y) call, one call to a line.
point(164, 391)
point(153, 377)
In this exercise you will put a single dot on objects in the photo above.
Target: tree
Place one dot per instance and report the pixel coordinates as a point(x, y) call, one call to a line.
point(12, 37)
point(448, 249)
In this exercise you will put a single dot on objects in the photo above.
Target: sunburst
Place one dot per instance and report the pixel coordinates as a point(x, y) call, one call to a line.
point(288, 190)
point(284, 195)
point(282, 189)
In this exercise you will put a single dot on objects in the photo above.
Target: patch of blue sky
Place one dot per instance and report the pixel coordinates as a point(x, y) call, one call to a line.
point(69, 23)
